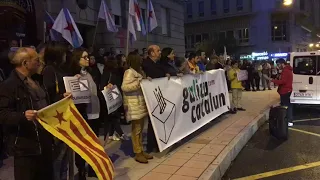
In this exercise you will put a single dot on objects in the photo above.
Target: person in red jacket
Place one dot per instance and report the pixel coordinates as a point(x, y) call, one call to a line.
point(285, 87)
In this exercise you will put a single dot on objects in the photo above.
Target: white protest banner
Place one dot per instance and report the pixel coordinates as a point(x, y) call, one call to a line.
point(79, 89)
point(242, 75)
point(180, 106)
point(113, 98)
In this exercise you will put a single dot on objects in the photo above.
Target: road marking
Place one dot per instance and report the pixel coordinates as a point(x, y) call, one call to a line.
point(285, 170)
point(281, 171)
point(305, 132)
point(303, 120)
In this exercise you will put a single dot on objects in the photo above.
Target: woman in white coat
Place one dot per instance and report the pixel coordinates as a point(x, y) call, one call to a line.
point(134, 104)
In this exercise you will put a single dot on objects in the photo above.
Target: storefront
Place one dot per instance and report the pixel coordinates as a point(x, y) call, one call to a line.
point(260, 56)
point(276, 56)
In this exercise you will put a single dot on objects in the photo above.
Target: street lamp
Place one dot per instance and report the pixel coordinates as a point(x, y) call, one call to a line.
point(287, 2)
point(317, 45)
point(311, 45)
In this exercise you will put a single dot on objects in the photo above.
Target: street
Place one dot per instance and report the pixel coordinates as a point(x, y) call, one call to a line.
point(264, 157)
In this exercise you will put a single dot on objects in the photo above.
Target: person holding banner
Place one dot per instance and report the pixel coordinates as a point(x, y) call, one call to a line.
point(78, 65)
point(236, 87)
point(20, 98)
point(167, 60)
point(134, 104)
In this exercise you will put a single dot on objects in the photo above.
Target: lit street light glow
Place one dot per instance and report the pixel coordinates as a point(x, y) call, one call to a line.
point(317, 45)
point(311, 45)
point(287, 2)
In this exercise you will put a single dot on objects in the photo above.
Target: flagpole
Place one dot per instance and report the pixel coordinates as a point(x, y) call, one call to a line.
point(128, 34)
point(95, 33)
point(147, 23)
point(44, 31)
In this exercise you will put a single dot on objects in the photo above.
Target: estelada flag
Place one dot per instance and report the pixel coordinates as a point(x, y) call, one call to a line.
point(63, 120)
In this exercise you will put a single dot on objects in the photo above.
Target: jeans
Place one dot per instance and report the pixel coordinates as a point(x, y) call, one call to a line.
point(285, 101)
point(60, 164)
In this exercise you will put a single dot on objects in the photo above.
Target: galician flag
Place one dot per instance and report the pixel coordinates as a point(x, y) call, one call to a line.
point(65, 25)
point(104, 13)
point(152, 20)
point(63, 121)
point(135, 11)
point(54, 35)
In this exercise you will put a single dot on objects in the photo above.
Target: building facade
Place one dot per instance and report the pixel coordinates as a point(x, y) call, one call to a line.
point(256, 25)
point(29, 14)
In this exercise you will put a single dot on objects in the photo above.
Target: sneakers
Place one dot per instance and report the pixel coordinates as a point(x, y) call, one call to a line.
point(290, 124)
point(114, 138)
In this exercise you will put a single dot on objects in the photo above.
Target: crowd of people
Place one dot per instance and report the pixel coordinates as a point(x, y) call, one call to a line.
point(31, 79)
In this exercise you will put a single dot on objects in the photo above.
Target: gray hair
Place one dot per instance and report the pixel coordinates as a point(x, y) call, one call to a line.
point(21, 55)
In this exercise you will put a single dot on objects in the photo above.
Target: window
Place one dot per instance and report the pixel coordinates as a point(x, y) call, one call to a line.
point(213, 7)
point(190, 41)
point(222, 35)
point(302, 5)
point(215, 36)
point(239, 5)
point(189, 10)
point(279, 31)
point(165, 21)
point(201, 8)
point(117, 20)
point(305, 65)
point(298, 49)
point(243, 35)
point(198, 38)
point(205, 36)
point(226, 5)
point(230, 34)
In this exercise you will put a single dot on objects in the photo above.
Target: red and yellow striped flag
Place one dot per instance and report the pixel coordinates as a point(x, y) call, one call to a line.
point(63, 120)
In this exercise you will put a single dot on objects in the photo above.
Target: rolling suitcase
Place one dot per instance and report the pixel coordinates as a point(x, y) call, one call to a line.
point(278, 123)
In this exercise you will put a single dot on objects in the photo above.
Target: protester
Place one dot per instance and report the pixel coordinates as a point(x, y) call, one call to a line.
point(110, 77)
point(266, 72)
point(250, 86)
point(135, 106)
point(285, 87)
point(20, 98)
point(167, 60)
point(214, 63)
point(236, 87)
point(227, 68)
point(274, 72)
point(257, 74)
point(153, 69)
point(190, 66)
point(5, 57)
point(78, 65)
point(54, 57)
point(202, 60)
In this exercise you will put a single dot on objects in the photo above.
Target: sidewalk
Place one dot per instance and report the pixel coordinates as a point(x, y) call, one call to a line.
point(208, 153)
point(204, 155)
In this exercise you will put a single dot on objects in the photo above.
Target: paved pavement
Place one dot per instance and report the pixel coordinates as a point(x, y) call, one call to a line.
point(195, 157)
point(295, 159)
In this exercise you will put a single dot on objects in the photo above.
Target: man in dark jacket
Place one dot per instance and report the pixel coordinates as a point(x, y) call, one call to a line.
point(153, 69)
point(285, 87)
point(20, 98)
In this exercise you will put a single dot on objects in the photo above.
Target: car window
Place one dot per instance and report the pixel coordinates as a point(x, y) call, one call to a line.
point(305, 65)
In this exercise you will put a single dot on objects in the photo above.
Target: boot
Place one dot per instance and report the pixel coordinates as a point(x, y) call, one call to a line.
point(141, 158)
point(147, 156)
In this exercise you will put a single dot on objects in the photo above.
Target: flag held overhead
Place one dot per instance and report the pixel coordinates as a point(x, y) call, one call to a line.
point(65, 25)
point(104, 13)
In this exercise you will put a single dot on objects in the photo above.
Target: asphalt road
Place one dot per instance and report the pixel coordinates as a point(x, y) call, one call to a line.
point(276, 160)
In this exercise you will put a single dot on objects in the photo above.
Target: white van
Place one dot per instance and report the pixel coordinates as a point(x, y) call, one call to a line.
point(306, 77)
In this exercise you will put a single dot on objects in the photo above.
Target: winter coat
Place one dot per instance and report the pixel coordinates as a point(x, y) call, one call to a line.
point(133, 100)
point(285, 81)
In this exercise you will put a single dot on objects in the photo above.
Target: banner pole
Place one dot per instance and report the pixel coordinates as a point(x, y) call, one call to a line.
point(128, 34)
point(147, 22)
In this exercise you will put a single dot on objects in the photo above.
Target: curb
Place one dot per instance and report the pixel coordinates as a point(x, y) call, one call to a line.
point(220, 165)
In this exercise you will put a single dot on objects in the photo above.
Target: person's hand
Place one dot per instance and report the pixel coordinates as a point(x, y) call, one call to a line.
point(67, 94)
point(109, 86)
point(78, 76)
point(30, 115)
point(201, 72)
point(149, 78)
point(168, 76)
point(180, 74)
